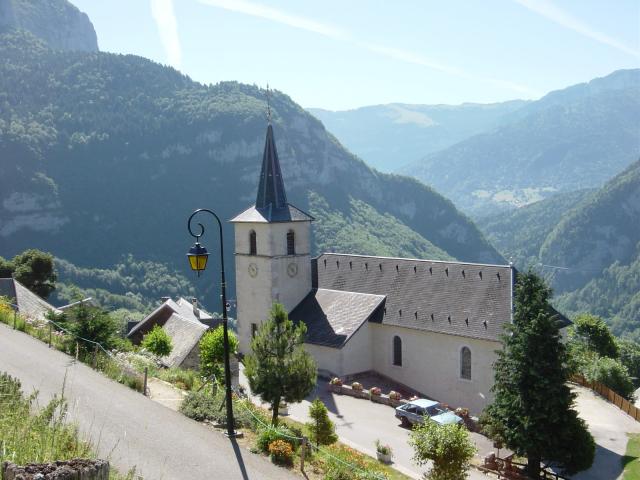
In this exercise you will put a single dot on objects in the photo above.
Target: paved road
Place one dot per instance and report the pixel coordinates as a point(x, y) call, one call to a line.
point(360, 422)
point(609, 427)
point(126, 427)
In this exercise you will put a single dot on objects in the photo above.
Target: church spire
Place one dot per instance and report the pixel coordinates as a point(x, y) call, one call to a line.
point(271, 194)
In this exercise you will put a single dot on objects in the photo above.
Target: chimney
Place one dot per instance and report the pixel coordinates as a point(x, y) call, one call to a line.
point(196, 312)
point(164, 299)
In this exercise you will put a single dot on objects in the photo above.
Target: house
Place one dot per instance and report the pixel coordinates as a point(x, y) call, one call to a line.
point(185, 323)
point(433, 326)
point(30, 306)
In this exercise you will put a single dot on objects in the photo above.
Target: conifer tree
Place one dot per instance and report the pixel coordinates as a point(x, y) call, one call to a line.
point(532, 410)
point(322, 430)
point(279, 368)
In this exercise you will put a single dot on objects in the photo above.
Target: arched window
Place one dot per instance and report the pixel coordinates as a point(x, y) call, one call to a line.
point(253, 249)
point(291, 243)
point(465, 363)
point(397, 351)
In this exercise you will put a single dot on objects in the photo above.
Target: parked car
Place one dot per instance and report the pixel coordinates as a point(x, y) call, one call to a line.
point(416, 411)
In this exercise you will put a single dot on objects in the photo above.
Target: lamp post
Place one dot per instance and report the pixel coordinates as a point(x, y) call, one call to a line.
point(198, 257)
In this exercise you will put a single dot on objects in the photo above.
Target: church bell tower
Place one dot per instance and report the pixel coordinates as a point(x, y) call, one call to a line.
point(272, 250)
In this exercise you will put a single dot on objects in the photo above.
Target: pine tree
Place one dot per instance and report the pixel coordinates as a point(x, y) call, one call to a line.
point(322, 430)
point(279, 368)
point(532, 410)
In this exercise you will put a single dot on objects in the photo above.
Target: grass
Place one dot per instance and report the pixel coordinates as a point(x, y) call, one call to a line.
point(39, 435)
point(631, 459)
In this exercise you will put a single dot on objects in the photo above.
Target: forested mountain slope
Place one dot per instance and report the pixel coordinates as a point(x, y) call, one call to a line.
point(106, 155)
point(570, 139)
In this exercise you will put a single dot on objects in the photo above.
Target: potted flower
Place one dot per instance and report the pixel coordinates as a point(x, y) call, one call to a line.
point(395, 396)
point(383, 452)
point(335, 385)
point(357, 386)
point(375, 391)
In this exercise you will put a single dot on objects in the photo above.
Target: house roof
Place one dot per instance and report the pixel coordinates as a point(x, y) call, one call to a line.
point(466, 299)
point(271, 201)
point(29, 304)
point(185, 334)
point(182, 307)
point(333, 316)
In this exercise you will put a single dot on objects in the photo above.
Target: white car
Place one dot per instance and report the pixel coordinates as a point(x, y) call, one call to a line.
point(416, 411)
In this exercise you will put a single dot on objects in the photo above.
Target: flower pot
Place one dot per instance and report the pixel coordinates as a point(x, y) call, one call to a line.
point(283, 410)
point(383, 457)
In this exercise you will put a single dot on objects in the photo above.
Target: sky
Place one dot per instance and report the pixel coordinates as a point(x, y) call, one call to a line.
point(344, 54)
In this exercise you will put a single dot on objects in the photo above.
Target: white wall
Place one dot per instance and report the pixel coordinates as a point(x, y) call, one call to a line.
point(273, 283)
point(431, 365)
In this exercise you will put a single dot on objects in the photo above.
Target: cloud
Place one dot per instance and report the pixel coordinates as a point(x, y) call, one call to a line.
point(165, 18)
point(309, 25)
point(279, 16)
point(566, 20)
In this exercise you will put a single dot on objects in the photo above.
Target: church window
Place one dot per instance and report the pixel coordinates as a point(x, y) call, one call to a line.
point(397, 351)
point(253, 248)
point(465, 363)
point(291, 243)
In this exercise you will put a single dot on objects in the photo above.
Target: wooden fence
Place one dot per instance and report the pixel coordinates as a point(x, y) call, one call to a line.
point(623, 404)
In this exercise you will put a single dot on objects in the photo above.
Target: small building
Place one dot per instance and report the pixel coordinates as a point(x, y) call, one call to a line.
point(30, 306)
point(185, 323)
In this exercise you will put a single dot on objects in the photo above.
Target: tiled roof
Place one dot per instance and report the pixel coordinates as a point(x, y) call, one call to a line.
point(185, 334)
point(332, 316)
point(182, 307)
point(471, 300)
point(29, 304)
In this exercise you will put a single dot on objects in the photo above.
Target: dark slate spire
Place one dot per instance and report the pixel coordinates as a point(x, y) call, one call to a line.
point(271, 194)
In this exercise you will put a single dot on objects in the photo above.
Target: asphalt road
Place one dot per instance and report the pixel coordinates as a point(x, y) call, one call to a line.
point(126, 427)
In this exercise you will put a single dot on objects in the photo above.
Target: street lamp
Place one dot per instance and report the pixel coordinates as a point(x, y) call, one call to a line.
point(198, 257)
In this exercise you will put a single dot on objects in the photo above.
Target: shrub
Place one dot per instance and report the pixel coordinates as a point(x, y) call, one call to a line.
point(281, 452)
point(375, 391)
point(383, 449)
point(336, 381)
point(268, 435)
point(393, 395)
point(357, 386)
point(212, 351)
point(203, 406)
point(611, 373)
point(157, 341)
point(181, 378)
point(345, 463)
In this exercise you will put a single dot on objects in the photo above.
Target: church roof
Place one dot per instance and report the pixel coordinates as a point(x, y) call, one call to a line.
point(333, 316)
point(466, 299)
point(271, 201)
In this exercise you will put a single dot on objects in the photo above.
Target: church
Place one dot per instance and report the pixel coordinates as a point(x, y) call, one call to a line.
point(433, 326)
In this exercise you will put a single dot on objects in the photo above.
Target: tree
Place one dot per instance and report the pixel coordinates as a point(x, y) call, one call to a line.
point(447, 446)
point(91, 323)
point(35, 270)
point(611, 373)
point(6, 268)
point(212, 351)
point(594, 333)
point(532, 410)
point(157, 341)
point(279, 367)
point(630, 357)
point(322, 430)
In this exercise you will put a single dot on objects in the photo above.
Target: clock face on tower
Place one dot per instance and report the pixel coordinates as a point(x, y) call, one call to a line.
point(292, 269)
point(253, 269)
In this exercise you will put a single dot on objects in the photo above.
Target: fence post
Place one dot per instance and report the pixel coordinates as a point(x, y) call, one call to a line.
point(95, 357)
point(77, 350)
point(146, 373)
point(50, 332)
point(15, 316)
point(303, 451)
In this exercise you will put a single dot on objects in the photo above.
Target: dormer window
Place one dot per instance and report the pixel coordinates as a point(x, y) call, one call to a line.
point(253, 248)
point(291, 243)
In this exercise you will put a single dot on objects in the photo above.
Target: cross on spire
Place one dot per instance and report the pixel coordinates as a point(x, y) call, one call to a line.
point(268, 105)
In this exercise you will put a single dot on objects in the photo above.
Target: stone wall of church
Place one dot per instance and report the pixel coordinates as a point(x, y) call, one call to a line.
point(431, 365)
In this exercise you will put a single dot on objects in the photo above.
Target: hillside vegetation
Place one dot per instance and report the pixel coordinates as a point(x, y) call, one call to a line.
point(115, 151)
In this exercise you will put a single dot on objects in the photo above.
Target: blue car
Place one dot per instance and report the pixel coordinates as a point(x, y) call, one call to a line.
point(416, 411)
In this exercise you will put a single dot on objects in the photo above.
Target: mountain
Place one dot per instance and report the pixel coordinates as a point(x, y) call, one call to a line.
point(388, 137)
point(519, 234)
point(588, 245)
point(106, 155)
point(57, 22)
point(570, 139)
